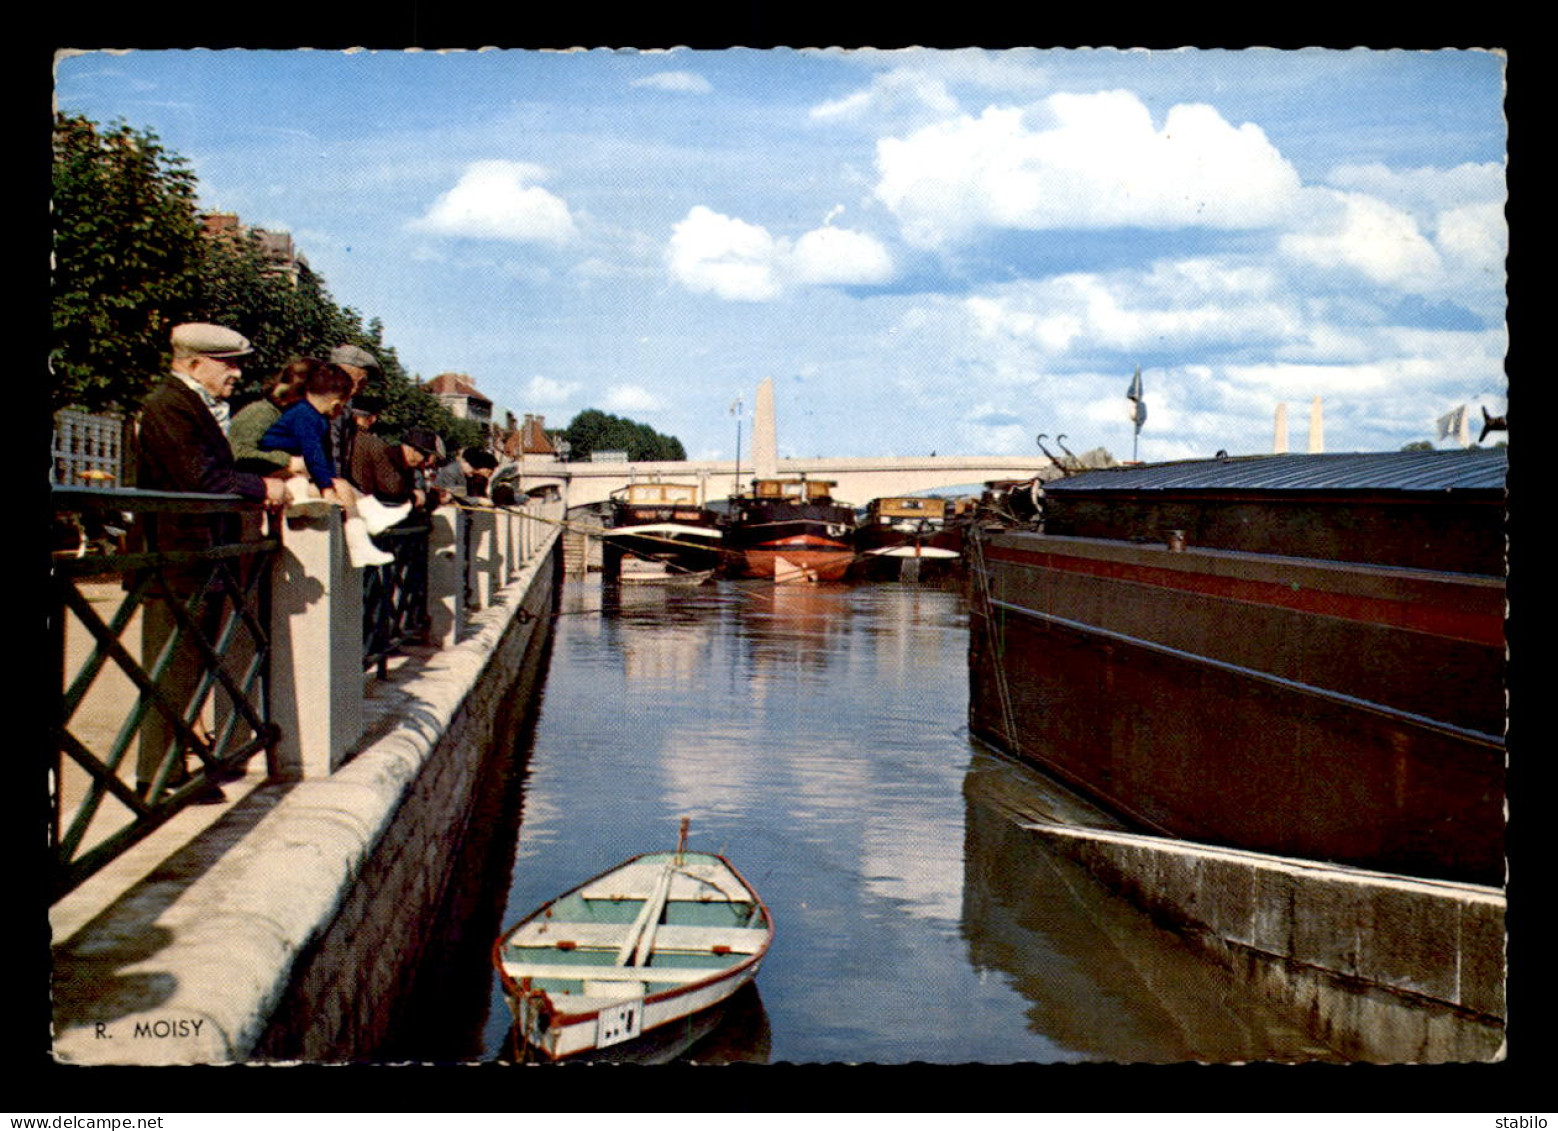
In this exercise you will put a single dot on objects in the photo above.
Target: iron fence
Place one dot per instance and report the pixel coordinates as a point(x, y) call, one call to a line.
point(163, 654)
point(394, 595)
point(189, 699)
point(87, 450)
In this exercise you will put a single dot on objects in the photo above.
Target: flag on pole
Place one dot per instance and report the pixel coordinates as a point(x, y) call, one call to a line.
point(1138, 406)
point(1452, 426)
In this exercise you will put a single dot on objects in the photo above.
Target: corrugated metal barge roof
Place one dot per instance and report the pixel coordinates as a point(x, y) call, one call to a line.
point(1476, 469)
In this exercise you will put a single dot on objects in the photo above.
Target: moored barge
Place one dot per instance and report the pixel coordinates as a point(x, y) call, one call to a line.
point(789, 530)
point(1301, 655)
point(664, 525)
point(909, 537)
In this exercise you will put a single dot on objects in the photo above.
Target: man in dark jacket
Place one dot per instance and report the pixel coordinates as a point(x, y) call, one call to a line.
point(183, 447)
point(183, 430)
point(387, 471)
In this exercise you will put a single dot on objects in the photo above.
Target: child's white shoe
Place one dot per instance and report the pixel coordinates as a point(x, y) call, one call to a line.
point(360, 550)
point(378, 516)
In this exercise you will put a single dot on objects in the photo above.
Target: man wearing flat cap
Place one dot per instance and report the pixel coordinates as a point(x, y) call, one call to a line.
point(182, 447)
point(183, 433)
point(343, 429)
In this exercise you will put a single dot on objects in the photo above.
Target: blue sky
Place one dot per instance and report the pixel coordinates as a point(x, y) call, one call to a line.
point(926, 250)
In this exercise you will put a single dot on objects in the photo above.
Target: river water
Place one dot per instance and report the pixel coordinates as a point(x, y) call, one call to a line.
point(817, 736)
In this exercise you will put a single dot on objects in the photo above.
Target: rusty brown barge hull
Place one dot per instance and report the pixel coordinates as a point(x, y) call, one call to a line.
point(1293, 703)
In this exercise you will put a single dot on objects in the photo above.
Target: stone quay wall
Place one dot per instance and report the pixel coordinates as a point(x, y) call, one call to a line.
point(343, 1001)
point(290, 928)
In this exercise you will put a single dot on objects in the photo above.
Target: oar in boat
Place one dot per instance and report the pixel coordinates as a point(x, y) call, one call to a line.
point(653, 906)
point(641, 936)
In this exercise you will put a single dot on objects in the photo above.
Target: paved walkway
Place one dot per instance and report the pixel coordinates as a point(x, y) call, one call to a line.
point(98, 720)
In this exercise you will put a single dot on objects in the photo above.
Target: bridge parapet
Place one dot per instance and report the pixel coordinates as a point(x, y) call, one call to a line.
point(860, 478)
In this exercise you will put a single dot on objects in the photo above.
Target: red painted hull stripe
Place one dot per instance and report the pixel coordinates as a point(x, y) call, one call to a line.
point(805, 542)
point(1485, 627)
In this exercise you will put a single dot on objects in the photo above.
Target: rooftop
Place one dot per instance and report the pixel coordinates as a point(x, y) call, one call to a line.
point(456, 384)
point(1475, 469)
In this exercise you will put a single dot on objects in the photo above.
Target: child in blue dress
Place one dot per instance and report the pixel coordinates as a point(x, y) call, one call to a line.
point(304, 430)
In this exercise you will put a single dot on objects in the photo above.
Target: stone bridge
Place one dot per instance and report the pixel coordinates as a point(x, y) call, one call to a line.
point(860, 478)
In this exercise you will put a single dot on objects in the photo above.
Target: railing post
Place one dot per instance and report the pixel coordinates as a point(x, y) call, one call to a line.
point(485, 560)
point(446, 575)
point(513, 558)
point(316, 658)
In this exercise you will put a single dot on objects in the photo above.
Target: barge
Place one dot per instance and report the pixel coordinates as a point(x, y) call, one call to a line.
point(660, 529)
point(790, 530)
point(1298, 654)
point(909, 537)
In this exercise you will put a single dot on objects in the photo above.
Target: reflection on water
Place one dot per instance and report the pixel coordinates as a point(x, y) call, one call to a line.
point(1103, 981)
point(816, 735)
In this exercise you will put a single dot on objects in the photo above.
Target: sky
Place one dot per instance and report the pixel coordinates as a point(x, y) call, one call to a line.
point(926, 250)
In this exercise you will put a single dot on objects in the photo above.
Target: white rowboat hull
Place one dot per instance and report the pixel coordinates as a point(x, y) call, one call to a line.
point(658, 939)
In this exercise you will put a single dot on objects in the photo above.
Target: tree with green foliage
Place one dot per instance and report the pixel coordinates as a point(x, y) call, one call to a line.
point(131, 262)
point(126, 256)
point(239, 289)
point(595, 431)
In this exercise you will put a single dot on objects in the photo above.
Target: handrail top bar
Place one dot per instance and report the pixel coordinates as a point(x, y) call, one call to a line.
point(135, 499)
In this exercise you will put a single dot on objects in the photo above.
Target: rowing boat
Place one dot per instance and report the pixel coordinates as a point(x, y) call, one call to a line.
point(658, 939)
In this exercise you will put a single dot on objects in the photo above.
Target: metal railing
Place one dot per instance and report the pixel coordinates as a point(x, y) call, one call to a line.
point(188, 699)
point(394, 596)
point(168, 655)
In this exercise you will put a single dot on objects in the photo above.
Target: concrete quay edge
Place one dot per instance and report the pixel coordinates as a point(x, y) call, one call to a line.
point(1386, 967)
point(230, 938)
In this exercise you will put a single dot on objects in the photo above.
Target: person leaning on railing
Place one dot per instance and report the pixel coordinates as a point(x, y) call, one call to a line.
point(468, 474)
point(361, 366)
point(304, 430)
point(182, 446)
point(282, 389)
point(386, 470)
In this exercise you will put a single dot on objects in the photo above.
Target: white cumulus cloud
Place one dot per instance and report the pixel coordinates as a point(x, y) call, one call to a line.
point(901, 90)
point(1367, 235)
point(841, 256)
point(630, 398)
point(919, 86)
point(1423, 191)
point(1187, 304)
point(498, 200)
point(679, 82)
point(1082, 161)
point(544, 391)
point(711, 253)
point(1475, 234)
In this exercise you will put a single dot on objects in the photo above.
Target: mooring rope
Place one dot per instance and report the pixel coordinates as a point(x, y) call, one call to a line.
point(998, 652)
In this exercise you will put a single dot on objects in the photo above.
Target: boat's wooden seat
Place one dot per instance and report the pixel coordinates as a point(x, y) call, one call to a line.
point(712, 881)
point(609, 936)
point(675, 975)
